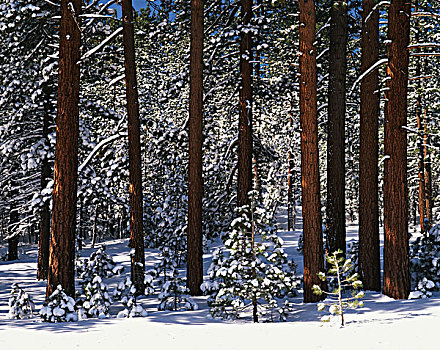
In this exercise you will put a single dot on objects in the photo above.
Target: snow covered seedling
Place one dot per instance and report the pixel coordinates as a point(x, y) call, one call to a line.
point(425, 263)
point(251, 273)
point(59, 308)
point(20, 303)
point(341, 270)
point(126, 293)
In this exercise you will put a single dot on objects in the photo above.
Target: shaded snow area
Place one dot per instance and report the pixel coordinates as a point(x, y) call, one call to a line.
point(382, 323)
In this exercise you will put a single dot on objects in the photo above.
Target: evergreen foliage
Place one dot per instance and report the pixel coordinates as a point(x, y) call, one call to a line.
point(340, 269)
point(59, 308)
point(252, 266)
point(425, 263)
point(126, 293)
point(20, 303)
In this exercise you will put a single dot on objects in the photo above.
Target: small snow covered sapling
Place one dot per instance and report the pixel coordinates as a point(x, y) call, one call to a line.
point(345, 279)
point(20, 303)
point(251, 274)
point(59, 308)
point(175, 296)
point(126, 293)
point(425, 263)
point(97, 300)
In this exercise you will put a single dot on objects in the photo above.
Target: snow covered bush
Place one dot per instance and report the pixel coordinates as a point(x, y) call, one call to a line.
point(20, 303)
point(59, 308)
point(98, 264)
point(342, 271)
point(126, 293)
point(97, 301)
point(425, 263)
point(251, 273)
point(174, 295)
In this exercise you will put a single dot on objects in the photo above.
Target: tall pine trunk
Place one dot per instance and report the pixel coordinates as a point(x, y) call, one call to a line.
point(311, 203)
point(134, 152)
point(369, 243)
point(396, 277)
point(336, 127)
point(62, 240)
point(245, 108)
point(195, 180)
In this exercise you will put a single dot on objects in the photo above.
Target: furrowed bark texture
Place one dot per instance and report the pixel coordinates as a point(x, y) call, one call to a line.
point(245, 109)
point(62, 240)
point(313, 250)
point(369, 244)
point(134, 152)
point(195, 185)
point(336, 128)
point(396, 278)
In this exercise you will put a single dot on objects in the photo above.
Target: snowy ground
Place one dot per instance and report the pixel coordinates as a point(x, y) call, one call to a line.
point(382, 323)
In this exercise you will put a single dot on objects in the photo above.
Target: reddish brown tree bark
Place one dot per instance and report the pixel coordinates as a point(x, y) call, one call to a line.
point(195, 180)
point(134, 152)
point(336, 127)
point(62, 240)
point(245, 108)
point(369, 243)
point(396, 277)
point(311, 203)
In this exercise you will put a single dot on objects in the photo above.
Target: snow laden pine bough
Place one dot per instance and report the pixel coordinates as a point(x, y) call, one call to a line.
point(251, 273)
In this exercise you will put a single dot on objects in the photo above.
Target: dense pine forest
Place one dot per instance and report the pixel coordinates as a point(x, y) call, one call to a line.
point(201, 140)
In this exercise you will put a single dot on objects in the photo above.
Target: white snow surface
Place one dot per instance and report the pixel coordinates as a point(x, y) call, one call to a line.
point(382, 323)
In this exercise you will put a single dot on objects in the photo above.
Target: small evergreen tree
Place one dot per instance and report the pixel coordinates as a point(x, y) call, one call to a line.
point(425, 263)
point(341, 269)
point(20, 303)
point(59, 308)
point(251, 271)
point(175, 296)
point(126, 293)
point(97, 300)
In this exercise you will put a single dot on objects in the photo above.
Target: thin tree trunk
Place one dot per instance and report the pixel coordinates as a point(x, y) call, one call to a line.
point(336, 127)
point(62, 240)
point(420, 136)
point(396, 278)
point(44, 227)
point(195, 180)
point(369, 243)
point(290, 182)
point(136, 217)
point(421, 165)
point(245, 108)
point(428, 172)
point(313, 250)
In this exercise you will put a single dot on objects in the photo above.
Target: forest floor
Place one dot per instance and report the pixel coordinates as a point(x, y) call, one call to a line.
point(382, 323)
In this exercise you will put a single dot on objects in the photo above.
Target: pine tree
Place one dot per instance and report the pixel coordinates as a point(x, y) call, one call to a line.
point(245, 106)
point(336, 127)
point(369, 253)
point(195, 180)
point(312, 237)
point(396, 277)
point(134, 151)
point(62, 244)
